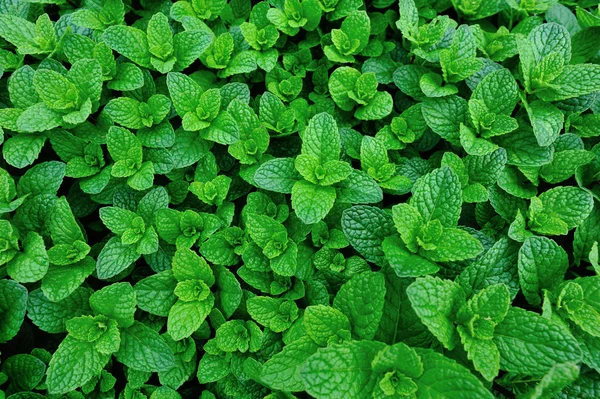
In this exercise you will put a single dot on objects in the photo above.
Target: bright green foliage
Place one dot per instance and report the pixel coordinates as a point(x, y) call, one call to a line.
point(285, 199)
point(50, 97)
point(349, 88)
point(319, 174)
point(158, 48)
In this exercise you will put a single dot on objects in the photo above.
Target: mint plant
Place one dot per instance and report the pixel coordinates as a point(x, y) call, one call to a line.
point(299, 198)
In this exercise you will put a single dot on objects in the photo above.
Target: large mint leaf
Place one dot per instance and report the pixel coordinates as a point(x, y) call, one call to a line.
point(542, 265)
point(114, 258)
point(437, 302)
point(73, 364)
point(277, 175)
point(531, 344)
point(51, 316)
point(341, 370)
point(282, 371)
point(143, 349)
point(361, 299)
point(497, 265)
point(366, 227)
point(445, 378)
point(322, 139)
point(13, 304)
point(438, 195)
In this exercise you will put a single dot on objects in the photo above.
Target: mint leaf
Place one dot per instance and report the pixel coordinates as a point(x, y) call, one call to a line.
point(366, 227)
point(73, 364)
point(282, 371)
point(143, 349)
point(114, 258)
point(322, 323)
point(433, 380)
point(541, 264)
point(311, 202)
point(531, 344)
point(365, 317)
point(436, 302)
point(438, 195)
point(51, 316)
point(13, 302)
point(341, 369)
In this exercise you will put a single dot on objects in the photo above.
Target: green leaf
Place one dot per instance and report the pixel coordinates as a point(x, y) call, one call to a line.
point(499, 92)
point(125, 111)
point(361, 299)
point(405, 263)
point(550, 38)
point(143, 349)
point(55, 90)
point(17, 31)
point(159, 36)
point(341, 82)
point(223, 130)
point(31, 264)
point(444, 116)
point(63, 226)
point(51, 316)
point(441, 374)
point(542, 265)
point(359, 188)
point(366, 227)
point(154, 294)
point(558, 377)
point(497, 265)
point(117, 302)
point(438, 195)
point(127, 77)
point(571, 204)
point(229, 295)
point(13, 303)
point(43, 178)
point(25, 372)
point(185, 93)
point(186, 317)
point(129, 42)
point(341, 370)
point(189, 45)
point(311, 202)
point(74, 364)
point(459, 62)
point(453, 245)
point(277, 314)
point(379, 107)
point(531, 344)
point(522, 149)
point(436, 302)
point(60, 281)
point(187, 265)
point(322, 323)
point(20, 87)
point(277, 175)
point(38, 118)
point(22, 150)
point(573, 81)
point(322, 139)
point(124, 146)
point(282, 371)
point(547, 121)
point(431, 85)
point(114, 258)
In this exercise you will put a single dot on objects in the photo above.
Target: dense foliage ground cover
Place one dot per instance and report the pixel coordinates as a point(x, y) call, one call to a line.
point(299, 198)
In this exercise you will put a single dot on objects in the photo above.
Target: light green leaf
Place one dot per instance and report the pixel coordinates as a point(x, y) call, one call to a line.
point(361, 299)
